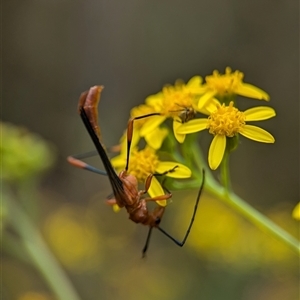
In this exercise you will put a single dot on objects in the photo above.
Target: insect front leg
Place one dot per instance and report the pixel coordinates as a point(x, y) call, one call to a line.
point(130, 133)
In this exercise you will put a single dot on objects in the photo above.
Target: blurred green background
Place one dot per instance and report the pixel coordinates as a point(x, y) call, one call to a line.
point(54, 50)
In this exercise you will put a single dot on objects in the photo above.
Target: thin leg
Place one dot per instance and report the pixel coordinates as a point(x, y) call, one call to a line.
point(159, 198)
point(82, 165)
point(148, 183)
point(149, 179)
point(147, 242)
point(86, 154)
point(130, 133)
point(168, 194)
point(166, 172)
point(76, 160)
point(192, 219)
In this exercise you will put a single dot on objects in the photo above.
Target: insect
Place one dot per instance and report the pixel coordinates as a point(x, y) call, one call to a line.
point(185, 114)
point(125, 185)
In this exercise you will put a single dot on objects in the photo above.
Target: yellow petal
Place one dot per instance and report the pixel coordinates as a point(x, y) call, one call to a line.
point(216, 151)
point(135, 140)
point(156, 190)
point(210, 106)
point(123, 142)
point(259, 113)
point(251, 91)
point(194, 86)
point(192, 126)
point(205, 98)
point(155, 100)
point(156, 137)
point(151, 123)
point(179, 137)
point(118, 162)
point(257, 134)
point(180, 172)
point(195, 81)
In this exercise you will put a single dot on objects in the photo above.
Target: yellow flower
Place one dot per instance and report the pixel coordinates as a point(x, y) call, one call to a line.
point(155, 137)
point(74, 238)
point(227, 121)
point(178, 102)
point(145, 162)
point(228, 84)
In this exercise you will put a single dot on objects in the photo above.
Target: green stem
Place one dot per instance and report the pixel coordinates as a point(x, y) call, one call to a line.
point(225, 176)
point(27, 194)
point(258, 219)
point(39, 252)
point(238, 204)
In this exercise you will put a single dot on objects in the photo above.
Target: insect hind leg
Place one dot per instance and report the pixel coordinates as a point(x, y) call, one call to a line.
point(76, 161)
point(181, 243)
point(147, 242)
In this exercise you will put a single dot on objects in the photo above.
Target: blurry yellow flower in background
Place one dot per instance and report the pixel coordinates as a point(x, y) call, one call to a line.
point(229, 84)
point(296, 212)
point(34, 296)
point(73, 238)
point(224, 237)
point(226, 122)
point(23, 153)
point(144, 162)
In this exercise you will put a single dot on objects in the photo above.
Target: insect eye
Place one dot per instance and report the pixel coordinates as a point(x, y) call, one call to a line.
point(157, 220)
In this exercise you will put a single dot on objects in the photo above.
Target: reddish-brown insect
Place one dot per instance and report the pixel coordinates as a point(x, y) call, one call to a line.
point(124, 185)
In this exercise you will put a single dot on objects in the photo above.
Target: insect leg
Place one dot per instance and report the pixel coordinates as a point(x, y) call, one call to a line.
point(148, 183)
point(147, 242)
point(76, 160)
point(130, 133)
point(86, 154)
point(78, 163)
point(158, 208)
point(166, 172)
point(181, 243)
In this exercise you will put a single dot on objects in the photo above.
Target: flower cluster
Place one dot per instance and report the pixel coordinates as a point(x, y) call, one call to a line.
point(216, 99)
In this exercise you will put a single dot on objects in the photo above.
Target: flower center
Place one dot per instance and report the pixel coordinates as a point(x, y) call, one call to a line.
point(142, 163)
point(224, 84)
point(226, 120)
